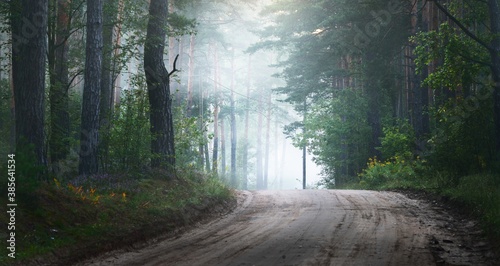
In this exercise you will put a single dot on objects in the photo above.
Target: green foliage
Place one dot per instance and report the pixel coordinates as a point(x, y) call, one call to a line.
point(129, 138)
point(188, 137)
point(337, 134)
point(461, 58)
point(398, 172)
point(90, 214)
point(29, 175)
point(481, 194)
point(462, 142)
point(397, 140)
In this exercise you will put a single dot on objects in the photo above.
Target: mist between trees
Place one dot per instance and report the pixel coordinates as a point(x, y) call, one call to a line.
point(225, 87)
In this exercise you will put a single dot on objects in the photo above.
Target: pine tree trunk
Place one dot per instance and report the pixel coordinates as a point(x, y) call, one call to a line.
point(207, 157)
point(215, 155)
point(190, 75)
point(234, 181)
point(283, 163)
point(116, 87)
point(244, 184)
point(29, 52)
point(157, 79)
point(12, 106)
point(222, 149)
point(109, 20)
point(494, 12)
point(89, 137)
point(260, 178)
point(373, 116)
point(59, 85)
point(276, 163)
point(268, 143)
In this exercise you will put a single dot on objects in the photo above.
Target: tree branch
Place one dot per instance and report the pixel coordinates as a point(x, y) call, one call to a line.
point(461, 26)
point(175, 68)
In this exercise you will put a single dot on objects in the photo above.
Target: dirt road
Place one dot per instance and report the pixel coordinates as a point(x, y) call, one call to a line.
point(319, 227)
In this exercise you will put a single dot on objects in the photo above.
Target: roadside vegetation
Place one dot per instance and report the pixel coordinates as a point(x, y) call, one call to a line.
point(477, 193)
point(62, 222)
point(396, 95)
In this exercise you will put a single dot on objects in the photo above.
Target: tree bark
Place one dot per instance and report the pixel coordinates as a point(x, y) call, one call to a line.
point(109, 20)
point(494, 11)
point(190, 75)
point(59, 86)
point(222, 149)
point(234, 181)
point(158, 83)
point(89, 136)
point(12, 106)
point(244, 184)
point(215, 155)
point(260, 178)
point(282, 163)
point(268, 143)
point(116, 87)
point(29, 52)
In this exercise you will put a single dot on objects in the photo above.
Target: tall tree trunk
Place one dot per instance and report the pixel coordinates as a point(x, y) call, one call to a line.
point(29, 52)
point(173, 48)
point(190, 75)
point(109, 21)
point(260, 178)
point(276, 173)
point(59, 86)
point(2, 56)
point(89, 137)
point(12, 108)
point(421, 126)
point(116, 87)
point(244, 184)
point(373, 116)
point(494, 11)
point(215, 155)
point(268, 143)
point(282, 163)
point(222, 149)
point(304, 147)
point(157, 79)
point(234, 181)
point(207, 156)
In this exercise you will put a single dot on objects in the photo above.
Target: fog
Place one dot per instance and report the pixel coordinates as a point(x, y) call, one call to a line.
point(223, 65)
point(216, 63)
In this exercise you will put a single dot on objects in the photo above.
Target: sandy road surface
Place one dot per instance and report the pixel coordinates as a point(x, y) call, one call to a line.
point(315, 227)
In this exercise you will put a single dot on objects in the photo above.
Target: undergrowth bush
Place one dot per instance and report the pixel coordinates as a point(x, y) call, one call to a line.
point(397, 140)
point(394, 171)
point(87, 214)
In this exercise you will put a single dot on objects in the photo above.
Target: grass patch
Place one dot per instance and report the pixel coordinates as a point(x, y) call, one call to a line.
point(68, 221)
point(481, 194)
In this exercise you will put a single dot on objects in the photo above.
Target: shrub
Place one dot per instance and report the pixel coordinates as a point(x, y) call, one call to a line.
point(392, 172)
point(397, 141)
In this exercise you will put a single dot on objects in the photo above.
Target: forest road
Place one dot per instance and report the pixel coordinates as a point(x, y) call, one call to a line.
point(317, 227)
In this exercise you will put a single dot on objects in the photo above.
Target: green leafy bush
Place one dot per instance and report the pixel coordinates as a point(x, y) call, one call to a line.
point(397, 140)
point(129, 135)
point(393, 172)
